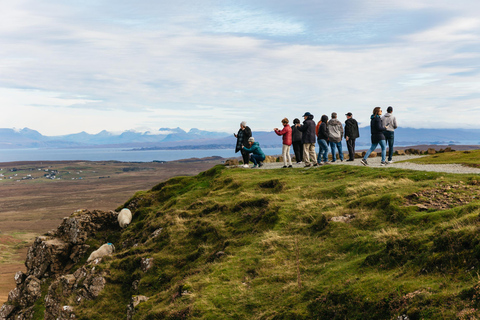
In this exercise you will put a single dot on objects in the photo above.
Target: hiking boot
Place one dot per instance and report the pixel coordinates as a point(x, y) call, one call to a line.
point(383, 163)
point(364, 162)
point(254, 166)
point(285, 167)
point(290, 166)
point(390, 161)
point(246, 166)
point(260, 164)
point(307, 165)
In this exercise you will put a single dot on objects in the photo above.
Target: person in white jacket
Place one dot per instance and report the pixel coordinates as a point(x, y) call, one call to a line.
point(390, 122)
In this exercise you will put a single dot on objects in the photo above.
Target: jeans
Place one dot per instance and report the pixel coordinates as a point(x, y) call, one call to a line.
point(382, 144)
point(323, 152)
point(337, 145)
point(256, 158)
point(389, 136)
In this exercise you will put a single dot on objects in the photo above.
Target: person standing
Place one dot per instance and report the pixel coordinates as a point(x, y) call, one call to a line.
point(286, 134)
point(244, 133)
point(390, 122)
point(297, 141)
point(376, 129)
point(323, 141)
point(351, 133)
point(257, 156)
point(308, 139)
point(335, 134)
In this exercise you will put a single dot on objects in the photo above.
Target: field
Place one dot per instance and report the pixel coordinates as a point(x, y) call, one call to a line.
point(335, 242)
point(32, 202)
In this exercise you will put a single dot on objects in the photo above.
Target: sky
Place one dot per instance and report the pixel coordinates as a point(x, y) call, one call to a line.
point(116, 65)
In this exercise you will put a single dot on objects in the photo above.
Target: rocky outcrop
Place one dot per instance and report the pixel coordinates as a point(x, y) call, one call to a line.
point(49, 261)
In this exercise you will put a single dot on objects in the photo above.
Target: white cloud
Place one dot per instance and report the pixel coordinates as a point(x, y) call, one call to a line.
point(68, 67)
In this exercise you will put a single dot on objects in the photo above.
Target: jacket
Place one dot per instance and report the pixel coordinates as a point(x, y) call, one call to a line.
point(376, 129)
point(389, 121)
point(286, 134)
point(335, 130)
point(255, 149)
point(296, 134)
point(308, 130)
point(322, 133)
point(351, 129)
point(242, 138)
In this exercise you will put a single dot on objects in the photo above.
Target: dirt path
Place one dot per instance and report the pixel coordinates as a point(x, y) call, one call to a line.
point(375, 162)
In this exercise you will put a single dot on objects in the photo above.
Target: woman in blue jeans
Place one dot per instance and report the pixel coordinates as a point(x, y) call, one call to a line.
point(323, 141)
point(378, 138)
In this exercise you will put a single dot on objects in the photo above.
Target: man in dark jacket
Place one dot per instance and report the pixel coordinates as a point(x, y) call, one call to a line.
point(308, 139)
point(351, 133)
point(244, 133)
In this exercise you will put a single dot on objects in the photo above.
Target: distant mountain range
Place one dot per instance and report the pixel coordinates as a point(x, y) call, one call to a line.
point(177, 138)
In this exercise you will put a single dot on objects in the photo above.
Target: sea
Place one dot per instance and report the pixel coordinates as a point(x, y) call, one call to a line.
point(117, 154)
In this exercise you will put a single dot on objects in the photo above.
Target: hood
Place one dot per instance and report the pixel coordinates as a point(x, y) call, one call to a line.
point(387, 114)
point(374, 116)
point(310, 117)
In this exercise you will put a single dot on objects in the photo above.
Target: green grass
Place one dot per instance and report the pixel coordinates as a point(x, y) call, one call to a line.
point(469, 158)
point(230, 239)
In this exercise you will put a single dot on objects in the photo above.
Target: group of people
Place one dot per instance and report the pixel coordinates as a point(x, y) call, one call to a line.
point(327, 133)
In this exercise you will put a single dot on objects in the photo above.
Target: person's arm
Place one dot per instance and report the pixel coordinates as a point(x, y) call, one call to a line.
point(247, 149)
point(395, 123)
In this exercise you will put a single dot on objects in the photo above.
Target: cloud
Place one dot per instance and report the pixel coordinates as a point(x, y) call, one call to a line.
point(210, 64)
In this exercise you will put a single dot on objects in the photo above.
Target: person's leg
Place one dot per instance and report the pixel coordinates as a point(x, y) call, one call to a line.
point(350, 148)
point(295, 150)
point(319, 156)
point(383, 145)
point(245, 156)
point(252, 158)
point(390, 146)
point(324, 149)
point(372, 147)
point(340, 150)
point(306, 159)
point(353, 148)
point(300, 151)
point(313, 155)
point(333, 151)
point(289, 156)
point(284, 154)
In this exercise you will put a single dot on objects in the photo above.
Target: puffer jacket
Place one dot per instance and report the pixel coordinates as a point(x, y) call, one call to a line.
point(286, 134)
point(308, 130)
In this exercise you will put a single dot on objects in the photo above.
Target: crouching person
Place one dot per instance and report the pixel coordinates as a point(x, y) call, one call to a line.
point(257, 156)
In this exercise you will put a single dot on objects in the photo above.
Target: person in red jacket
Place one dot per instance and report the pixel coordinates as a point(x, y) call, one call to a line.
point(286, 134)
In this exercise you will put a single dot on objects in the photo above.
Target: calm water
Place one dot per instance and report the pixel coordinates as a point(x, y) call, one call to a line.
point(116, 154)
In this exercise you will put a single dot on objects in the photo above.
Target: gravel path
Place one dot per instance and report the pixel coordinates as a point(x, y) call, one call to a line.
point(375, 162)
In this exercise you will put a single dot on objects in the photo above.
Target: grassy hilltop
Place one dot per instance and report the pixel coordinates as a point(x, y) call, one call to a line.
point(262, 244)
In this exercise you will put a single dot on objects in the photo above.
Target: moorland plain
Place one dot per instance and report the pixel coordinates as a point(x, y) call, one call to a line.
point(335, 242)
point(32, 202)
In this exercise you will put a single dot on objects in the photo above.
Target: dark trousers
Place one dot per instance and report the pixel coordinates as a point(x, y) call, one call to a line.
point(245, 156)
point(256, 159)
point(298, 150)
point(351, 148)
point(389, 136)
